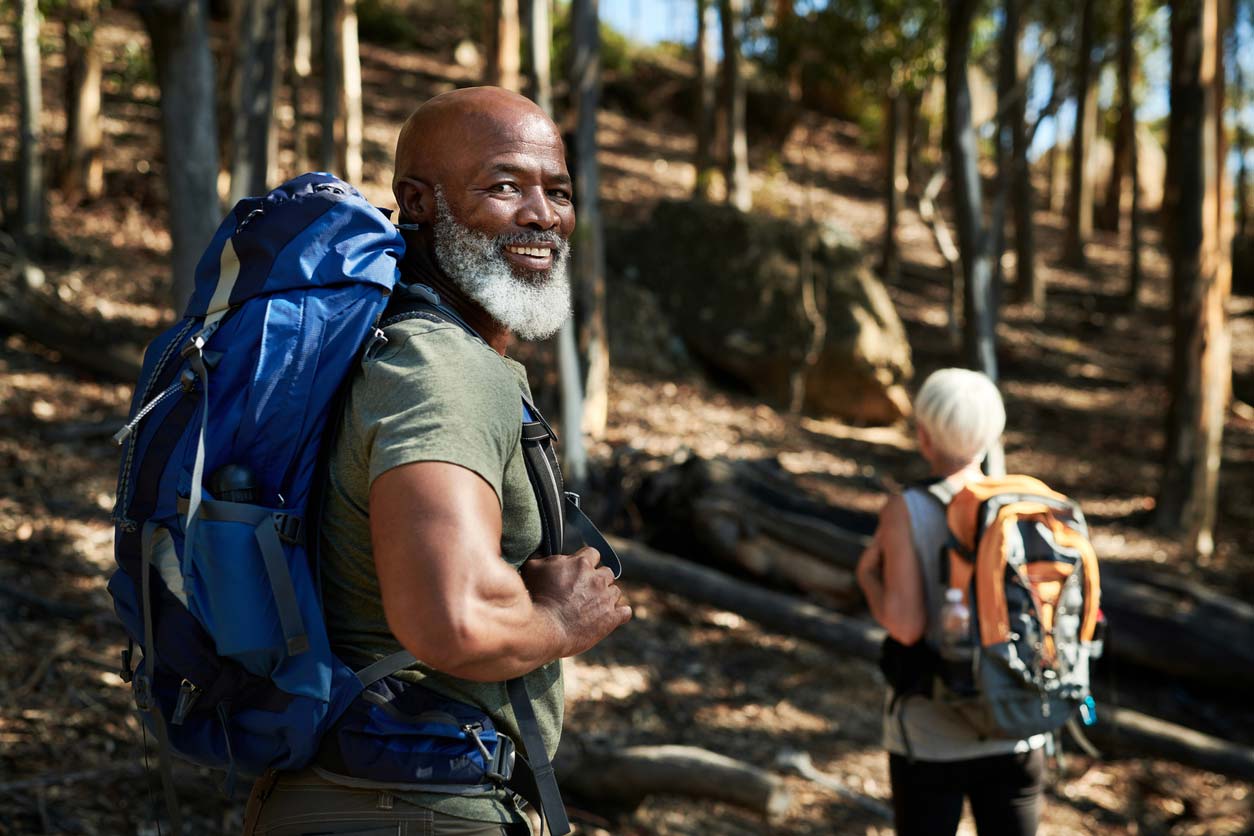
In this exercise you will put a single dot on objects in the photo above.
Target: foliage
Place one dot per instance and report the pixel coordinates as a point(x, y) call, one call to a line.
point(423, 24)
point(617, 51)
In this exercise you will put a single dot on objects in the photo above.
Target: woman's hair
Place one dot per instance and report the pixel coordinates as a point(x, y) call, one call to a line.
point(962, 413)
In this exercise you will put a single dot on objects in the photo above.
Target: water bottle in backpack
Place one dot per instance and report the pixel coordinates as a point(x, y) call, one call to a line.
point(956, 648)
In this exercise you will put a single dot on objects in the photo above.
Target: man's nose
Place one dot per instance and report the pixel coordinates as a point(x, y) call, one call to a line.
point(537, 211)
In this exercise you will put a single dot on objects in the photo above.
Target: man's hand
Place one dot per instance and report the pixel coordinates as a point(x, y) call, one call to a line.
point(581, 595)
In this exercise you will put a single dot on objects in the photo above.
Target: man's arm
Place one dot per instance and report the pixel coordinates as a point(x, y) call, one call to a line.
point(889, 575)
point(452, 601)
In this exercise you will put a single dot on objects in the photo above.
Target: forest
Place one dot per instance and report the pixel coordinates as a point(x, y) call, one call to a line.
point(790, 212)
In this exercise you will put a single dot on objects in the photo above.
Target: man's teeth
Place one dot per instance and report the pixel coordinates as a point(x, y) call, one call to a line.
point(538, 252)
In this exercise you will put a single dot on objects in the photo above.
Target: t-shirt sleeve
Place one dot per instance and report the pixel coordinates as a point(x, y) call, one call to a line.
point(438, 396)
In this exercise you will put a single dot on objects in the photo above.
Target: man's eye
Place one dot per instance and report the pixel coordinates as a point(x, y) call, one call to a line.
point(560, 194)
point(504, 188)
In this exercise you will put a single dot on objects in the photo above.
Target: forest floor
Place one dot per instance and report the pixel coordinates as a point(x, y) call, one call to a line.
point(1085, 391)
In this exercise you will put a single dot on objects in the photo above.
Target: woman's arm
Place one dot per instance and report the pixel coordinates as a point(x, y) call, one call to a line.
point(889, 575)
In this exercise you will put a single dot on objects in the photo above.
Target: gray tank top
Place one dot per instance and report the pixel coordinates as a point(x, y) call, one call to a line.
point(933, 730)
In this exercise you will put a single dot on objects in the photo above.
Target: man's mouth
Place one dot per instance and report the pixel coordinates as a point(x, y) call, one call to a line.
point(532, 258)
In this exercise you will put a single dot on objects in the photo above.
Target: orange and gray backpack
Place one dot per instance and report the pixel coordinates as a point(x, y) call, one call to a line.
point(1020, 555)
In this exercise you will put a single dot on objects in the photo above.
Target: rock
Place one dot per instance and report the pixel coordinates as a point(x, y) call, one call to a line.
point(731, 285)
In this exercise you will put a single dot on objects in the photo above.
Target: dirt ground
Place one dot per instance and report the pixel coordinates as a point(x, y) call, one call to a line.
point(1085, 391)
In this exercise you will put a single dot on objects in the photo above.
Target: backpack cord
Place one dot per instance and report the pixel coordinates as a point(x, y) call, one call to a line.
point(147, 698)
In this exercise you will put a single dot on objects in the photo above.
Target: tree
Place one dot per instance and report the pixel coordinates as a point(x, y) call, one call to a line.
point(503, 41)
point(704, 101)
point(736, 171)
point(1080, 194)
point(1200, 251)
point(1127, 130)
point(540, 43)
point(32, 193)
point(975, 239)
point(341, 90)
point(189, 133)
point(896, 156)
point(302, 38)
point(82, 165)
point(254, 144)
point(1017, 180)
point(589, 244)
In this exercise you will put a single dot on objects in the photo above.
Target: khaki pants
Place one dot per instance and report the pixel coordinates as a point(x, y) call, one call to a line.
point(304, 804)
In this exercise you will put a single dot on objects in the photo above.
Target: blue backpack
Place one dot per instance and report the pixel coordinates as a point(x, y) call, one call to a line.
point(217, 576)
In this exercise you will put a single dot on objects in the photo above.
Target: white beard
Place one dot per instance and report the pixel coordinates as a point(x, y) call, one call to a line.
point(530, 309)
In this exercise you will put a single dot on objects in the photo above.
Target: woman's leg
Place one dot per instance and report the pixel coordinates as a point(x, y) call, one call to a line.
point(1005, 793)
point(927, 796)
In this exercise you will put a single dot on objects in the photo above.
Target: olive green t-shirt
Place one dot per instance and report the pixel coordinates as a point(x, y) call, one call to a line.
point(431, 393)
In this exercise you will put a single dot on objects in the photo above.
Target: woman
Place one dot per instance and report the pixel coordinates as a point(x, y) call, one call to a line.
point(936, 758)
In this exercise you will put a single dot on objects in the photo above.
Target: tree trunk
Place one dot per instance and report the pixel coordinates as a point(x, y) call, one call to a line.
point(1080, 194)
point(1125, 132)
point(896, 152)
point(1201, 275)
point(1029, 286)
point(736, 171)
point(589, 245)
point(789, 43)
point(302, 38)
point(703, 115)
point(82, 169)
point(1243, 143)
point(974, 239)
point(341, 90)
point(539, 41)
point(504, 44)
point(254, 141)
point(1127, 122)
point(189, 133)
point(32, 192)
point(1057, 178)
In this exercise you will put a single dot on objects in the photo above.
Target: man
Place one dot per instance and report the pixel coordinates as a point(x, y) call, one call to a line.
point(430, 513)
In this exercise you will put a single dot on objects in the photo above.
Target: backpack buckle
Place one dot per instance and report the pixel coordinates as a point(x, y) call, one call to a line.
point(142, 687)
point(289, 528)
point(127, 672)
point(497, 769)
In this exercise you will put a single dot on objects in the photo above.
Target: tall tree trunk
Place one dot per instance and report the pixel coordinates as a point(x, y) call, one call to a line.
point(1201, 275)
point(302, 38)
point(504, 44)
point(1029, 286)
point(1125, 131)
point(1080, 195)
point(703, 115)
point(1243, 141)
point(731, 14)
point(589, 245)
point(82, 169)
point(254, 145)
point(786, 28)
point(896, 152)
point(1127, 122)
point(341, 90)
point(32, 191)
point(539, 42)
point(974, 239)
point(1057, 178)
point(189, 132)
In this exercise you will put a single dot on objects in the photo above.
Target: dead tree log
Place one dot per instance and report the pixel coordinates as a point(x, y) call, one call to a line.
point(628, 775)
point(1122, 730)
point(751, 514)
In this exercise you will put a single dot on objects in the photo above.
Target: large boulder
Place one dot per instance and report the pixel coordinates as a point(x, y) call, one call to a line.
point(734, 288)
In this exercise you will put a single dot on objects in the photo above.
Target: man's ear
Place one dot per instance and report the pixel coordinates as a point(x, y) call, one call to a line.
point(416, 200)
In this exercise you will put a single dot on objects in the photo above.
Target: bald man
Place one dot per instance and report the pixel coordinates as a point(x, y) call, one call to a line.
point(431, 524)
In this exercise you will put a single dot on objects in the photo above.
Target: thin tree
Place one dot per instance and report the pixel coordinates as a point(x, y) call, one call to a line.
point(254, 145)
point(504, 44)
point(589, 244)
point(1013, 82)
point(1080, 193)
point(341, 90)
point(1242, 136)
point(302, 38)
point(82, 167)
point(180, 46)
point(1201, 272)
point(1114, 201)
point(704, 102)
point(1127, 130)
point(32, 191)
point(896, 157)
point(736, 171)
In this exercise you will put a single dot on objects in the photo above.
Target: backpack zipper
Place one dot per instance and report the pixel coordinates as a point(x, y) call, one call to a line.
point(120, 437)
point(122, 506)
point(189, 692)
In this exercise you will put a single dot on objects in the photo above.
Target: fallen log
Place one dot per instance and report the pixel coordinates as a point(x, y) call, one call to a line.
point(742, 512)
point(1123, 729)
point(629, 775)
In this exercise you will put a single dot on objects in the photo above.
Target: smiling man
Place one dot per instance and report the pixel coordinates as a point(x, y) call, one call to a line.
point(431, 527)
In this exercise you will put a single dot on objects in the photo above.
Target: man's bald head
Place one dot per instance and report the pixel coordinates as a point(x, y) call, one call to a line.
point(453, 129)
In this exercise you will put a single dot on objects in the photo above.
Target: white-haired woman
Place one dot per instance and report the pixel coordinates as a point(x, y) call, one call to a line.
point(936, 759)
